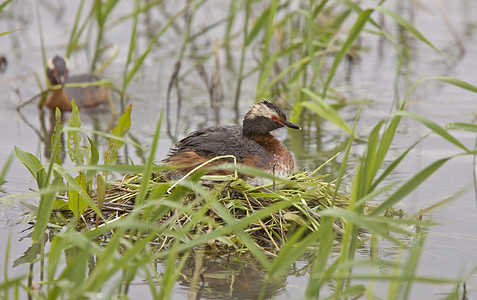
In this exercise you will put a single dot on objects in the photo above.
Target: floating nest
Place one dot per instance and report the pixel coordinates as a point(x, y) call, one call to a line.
point(304, 193)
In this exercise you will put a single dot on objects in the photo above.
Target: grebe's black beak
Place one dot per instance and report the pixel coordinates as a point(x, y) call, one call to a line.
point(290, 125)
point(61, 79)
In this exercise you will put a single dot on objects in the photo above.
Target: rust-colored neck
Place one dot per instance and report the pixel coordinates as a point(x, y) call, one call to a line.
point(271, 144)
point(58, 98)
point(280, 160)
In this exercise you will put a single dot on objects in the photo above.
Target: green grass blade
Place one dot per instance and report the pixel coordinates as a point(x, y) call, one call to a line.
point(291, 252)
point(410, 185)
point(44, 211)
point(148, 167)
point(434, 127)
point(234, 226)
point(32, 164)
point(171, 272)
point(100, 191)
point(410, 267)
point(259, 24)
point(318, 274)
point(352, 36)
point(75, 150)
point(323, 109)
point(310, 27)
point(73, 184)
point(5, 168)
point(393, 165)
point(242, 55)
point(56, 146)
point(373, 223)
point(267, 60)
point(408, 26)
point(456, 82)
point(124, 123)
point(10, 31)
point(58, 244)
point(371, 167)
point(132, 43)
point(107, 135)
point(461, 126)
point(4, 4)
point(244, 237)
point(453, 81)
point(76, 204)
point(140, 60)
point(385, 142)
point(92, 159)
point(354, 292)
point(73, 40)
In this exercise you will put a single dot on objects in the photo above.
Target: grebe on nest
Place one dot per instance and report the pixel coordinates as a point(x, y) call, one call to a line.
point(84, 97)
point(252, 144)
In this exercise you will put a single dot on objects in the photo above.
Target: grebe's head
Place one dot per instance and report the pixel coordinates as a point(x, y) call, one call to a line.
point(264, 117)
point(57, 70)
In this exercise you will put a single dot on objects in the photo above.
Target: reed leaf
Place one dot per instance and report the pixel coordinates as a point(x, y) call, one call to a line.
point(319, 273)
point(100, 191)
point(461, 126)
point(410, 185)
point(267, 60)
point(4, 4)
point(450, 80)
point(140, 60)
point(259, 24)
point(323, 109)
point(132, 45)
point(408, 26)
point(238, 87)
point(148, 167)
point(292, 250)
point(114, 144)
point(33, 165)
point(388, 170)
point(107, 135)
point(74, 34)
point(47, 201)
point(78, 188)
point(76, 204)
point(75, 151)
point(372, 165)
point(57, 132)
point(434, 127)
point(352, 36)
point(9, 31)
point(93, 159)
point(410, 267)
point(382, 226)
point(5, 168)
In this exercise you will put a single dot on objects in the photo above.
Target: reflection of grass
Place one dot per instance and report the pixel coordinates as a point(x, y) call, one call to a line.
point(300, 52)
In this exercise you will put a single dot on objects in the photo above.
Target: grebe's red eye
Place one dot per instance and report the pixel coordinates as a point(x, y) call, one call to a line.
point(274, 118)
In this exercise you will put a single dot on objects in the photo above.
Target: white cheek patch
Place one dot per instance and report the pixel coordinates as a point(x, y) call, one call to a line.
point(261, 110)
point(50, 65)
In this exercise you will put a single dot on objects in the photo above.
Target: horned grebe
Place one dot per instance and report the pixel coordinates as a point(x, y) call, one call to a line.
point(84, 97)
point(251, 144)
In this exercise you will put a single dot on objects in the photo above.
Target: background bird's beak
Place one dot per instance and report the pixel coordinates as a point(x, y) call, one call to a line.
point(62, 79)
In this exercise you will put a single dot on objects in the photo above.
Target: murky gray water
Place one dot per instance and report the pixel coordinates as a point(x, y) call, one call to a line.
point(450, 247)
